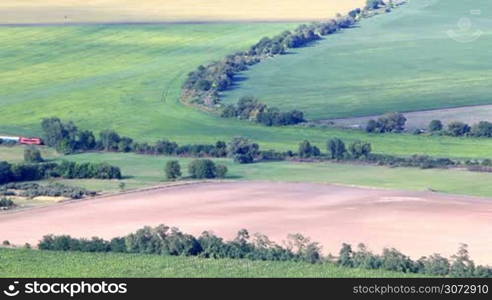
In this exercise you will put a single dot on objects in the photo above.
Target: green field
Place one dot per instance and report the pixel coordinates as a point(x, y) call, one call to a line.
point(128, 77)
point(31, 263)
point(402, 61)
point(147, 170)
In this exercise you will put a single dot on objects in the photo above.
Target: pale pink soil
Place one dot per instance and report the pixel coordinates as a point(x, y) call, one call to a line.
point(417, 223)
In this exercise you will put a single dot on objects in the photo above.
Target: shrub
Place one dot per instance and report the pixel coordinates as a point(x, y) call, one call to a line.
point(6, 203)
point(336, 147)
point(173, 170)
point(202, 169)
point(482, 129)
point(221, 171)
point(458, 129)
point(32, 155)
point(435, 125)
point(5, 172)
point(306, 150)
point(360, 149)
point(392, 122)
point(242, 150)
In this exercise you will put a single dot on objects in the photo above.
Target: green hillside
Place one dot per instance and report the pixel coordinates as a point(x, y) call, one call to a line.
point(32, 263)
point(129, 78)
point(415, 58)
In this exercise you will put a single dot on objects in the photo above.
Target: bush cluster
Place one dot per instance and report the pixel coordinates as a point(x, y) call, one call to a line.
point(30, 172)
point(32, 190)
point(6, 203)
point(419, 161)
point(72, 170)
point(392, 122)
point(249, 108)
point(459, 129)
point(460, 264)
point(206, 82)
point(198, 169)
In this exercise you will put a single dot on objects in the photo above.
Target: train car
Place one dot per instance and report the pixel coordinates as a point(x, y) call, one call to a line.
point(14, 139)
point(30, 141)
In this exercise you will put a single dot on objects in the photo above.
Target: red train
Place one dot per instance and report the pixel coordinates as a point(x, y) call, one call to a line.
point(30, 141)
point(22, 140)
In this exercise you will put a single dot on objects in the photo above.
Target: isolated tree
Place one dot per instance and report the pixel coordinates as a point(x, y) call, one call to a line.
point(336, 147)
point(360, 149)
point(435, 125)
point(32, 155)
point(173, 170)
point(202, 169)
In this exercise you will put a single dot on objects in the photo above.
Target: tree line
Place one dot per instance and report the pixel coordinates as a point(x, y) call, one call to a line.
point(243, 150)
point(165, 240)
point(203, 86)
point(69, 170)
point(395, 123)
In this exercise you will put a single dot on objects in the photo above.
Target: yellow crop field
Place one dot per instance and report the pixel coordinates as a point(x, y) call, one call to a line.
point(97, 11)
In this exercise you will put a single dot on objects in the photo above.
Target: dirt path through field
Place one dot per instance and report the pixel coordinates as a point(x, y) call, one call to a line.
point(417, 223)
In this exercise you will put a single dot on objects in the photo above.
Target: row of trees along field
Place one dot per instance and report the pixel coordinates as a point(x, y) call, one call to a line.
point(242, 150)
point(203, 86)
point(395, 123)
point(164, 240)
point(69, 170)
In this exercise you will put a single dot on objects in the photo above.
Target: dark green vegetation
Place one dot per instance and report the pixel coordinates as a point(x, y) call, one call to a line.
point(203, 86)
point(19, 263)
point(170, 241)
point(31, 190)
point(65, 169)
point(206, 169)
point(197, 169)
point(249, 108)
point(415, 58)
point(6, 203)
